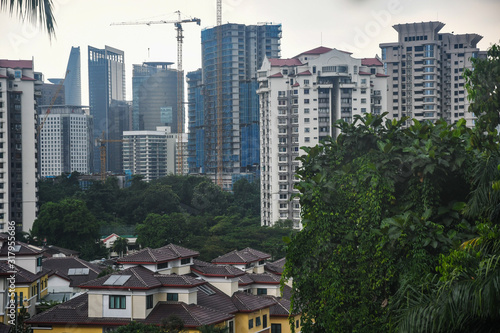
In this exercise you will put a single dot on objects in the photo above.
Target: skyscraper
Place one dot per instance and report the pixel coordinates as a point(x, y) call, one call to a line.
point(154, 86)
point(73, 82)
point(243, 50)
point(18, 162)
point(300, 100)
point(426, 70)
point(106, 83)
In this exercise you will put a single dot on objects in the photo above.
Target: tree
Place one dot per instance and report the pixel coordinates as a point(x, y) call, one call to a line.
point(135, 327)
point(379, 205)
point(120, 246)
point(67, 223)
point(464, 296)
point(159, 230)
point(208, 198)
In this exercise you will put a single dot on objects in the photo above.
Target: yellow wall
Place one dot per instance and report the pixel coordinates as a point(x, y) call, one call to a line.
point(285, 323)
point(95, 311)
point(241, 321)
point(71, 329)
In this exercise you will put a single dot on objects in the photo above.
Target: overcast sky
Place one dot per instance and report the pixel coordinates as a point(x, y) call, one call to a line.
point(358, 26)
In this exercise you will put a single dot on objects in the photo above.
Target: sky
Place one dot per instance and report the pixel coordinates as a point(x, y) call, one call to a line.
point(358, 26)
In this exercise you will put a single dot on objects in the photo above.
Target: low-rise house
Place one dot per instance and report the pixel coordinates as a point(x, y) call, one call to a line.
point(169, 259)
point(248, 260)
point(109, 241)
point(68, 273)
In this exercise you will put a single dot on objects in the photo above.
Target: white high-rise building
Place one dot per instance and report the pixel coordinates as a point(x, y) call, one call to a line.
point(18, 162)
point(425, 69)
point(66, 140)
point(153, 154)
point(300, 100)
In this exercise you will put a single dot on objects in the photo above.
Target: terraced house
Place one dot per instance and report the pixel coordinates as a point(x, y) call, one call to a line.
point(155, 284)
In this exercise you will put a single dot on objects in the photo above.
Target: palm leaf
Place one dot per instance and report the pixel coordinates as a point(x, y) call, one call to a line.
point(37, 11)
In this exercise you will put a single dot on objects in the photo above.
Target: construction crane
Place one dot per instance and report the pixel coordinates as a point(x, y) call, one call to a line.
point(180, 78)
point(103, 153)
point(220, 123)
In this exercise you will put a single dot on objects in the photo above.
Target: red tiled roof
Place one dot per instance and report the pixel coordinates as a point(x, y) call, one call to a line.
point(371, 62)
point(246, 302)
point(381, 75)
point(364, 73)
point(23, 276)
point(245, 256)
point(28, 64)
point(317, 50)
point(265, 278)
point(276, 75)
point(244, 280)
point(305, 73)
point(170, 280)
point(163, 254)
point(296, 84)
point(140, 278)
point(285, 62)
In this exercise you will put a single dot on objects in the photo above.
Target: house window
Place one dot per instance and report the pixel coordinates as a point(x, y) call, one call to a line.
point(39, 261)
point(185, 261)
point(117, 302)
point(261, 291)
point(306, 91)
point(163, 265)
point(250, 323)
point(149, 301)
point(174, 297)
point(306, 101)
point(264, 320)
point(257, 322)
point(275, 328)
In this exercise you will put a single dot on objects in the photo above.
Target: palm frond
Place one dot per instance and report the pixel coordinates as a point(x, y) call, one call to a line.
point(35, 11)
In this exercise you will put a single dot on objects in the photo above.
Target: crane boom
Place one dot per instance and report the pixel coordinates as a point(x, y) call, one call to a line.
point(180, 78)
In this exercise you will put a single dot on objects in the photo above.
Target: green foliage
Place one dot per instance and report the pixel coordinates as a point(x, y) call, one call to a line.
point(67, 223)
point(135, 327)
point(378, 206)
point(159, 230)
point(120, 246)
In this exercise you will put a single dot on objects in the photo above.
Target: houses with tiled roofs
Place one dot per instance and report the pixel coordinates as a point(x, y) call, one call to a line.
point(248, 260)
point(31, 279)
point(68, 273)
point(156, 283)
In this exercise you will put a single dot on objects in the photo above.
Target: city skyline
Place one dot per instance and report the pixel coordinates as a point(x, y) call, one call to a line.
point(356, 26)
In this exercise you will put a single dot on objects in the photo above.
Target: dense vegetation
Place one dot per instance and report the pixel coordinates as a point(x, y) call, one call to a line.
point(401, 223)
point(185, 210)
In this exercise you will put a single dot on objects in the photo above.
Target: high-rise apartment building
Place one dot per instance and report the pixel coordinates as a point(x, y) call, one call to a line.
point(236, 142)
point(106, 83)
point(153, 154)
point(66, 140)
point(425, 69)
point(300, 100)
point(18, 162)
point(154, 87)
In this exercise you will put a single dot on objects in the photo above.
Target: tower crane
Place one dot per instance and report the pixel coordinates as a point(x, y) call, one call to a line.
point(103, 153)
point(220, 123)
point(180, 84)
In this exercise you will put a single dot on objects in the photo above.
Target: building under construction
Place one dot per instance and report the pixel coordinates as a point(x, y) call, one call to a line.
point(235, 137)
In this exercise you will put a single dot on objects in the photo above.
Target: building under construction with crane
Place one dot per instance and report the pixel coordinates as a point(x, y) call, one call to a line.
point(223, 108)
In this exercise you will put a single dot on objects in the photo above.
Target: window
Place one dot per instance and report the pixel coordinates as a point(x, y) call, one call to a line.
point(174, 297)
point(363, 101)
point(306, 120)
point(163, 265)
point(306, 101)
point(39, 261)
point(185, 261)
point(250, 323)
point(149, 301)
point(261, 291)
point(117, 302)
point(264, 320)
point(257, 321)
point(275, 328)
point(306, 91)
point(306, 81)
point(297, 323)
